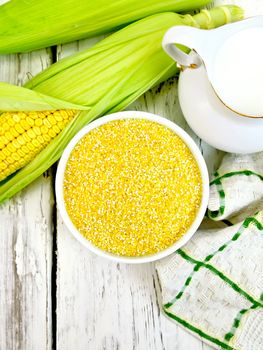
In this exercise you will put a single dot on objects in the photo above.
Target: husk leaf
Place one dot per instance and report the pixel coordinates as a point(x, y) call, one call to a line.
point(107, 78)
point(17, 98)
point(33, 24)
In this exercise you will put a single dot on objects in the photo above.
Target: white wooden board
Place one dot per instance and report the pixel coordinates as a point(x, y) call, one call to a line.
point(26, 227)
point(100, 305)
point(105, 305)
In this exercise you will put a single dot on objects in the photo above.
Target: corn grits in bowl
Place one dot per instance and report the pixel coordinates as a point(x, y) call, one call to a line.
point(132, 186)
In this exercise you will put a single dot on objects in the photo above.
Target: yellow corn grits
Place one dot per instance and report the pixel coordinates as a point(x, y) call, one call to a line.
point(132, 187)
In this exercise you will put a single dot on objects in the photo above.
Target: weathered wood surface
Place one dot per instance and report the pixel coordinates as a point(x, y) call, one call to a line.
point(105, 305)
point(100, 304)
point(26, 227)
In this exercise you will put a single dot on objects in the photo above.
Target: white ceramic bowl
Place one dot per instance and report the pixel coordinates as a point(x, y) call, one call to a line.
point(138, 115)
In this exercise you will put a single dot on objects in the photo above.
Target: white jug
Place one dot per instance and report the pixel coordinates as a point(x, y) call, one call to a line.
point(222, 82)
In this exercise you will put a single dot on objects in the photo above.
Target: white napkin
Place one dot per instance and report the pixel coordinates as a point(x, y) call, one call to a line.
point(213, 286)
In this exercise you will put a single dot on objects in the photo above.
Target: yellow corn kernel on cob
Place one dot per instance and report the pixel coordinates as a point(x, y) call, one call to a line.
point(24, 134)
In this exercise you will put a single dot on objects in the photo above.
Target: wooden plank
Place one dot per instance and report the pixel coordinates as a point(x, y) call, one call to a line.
point(26, 242)
point(104, 305)
point(100, 304)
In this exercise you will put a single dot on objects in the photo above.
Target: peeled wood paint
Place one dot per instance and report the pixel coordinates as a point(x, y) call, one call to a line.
point(116, 306)
point(100, 304)
point(26, 242)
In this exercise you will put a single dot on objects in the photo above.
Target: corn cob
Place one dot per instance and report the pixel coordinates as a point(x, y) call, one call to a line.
point(103, 79)
point(24, 135)
point(33, 24)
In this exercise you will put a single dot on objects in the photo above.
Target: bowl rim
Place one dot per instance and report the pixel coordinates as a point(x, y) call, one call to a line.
point(132, 115)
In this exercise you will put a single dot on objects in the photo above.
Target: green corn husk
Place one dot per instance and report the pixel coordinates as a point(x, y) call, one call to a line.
point(32, 24)
point(103, 79)
point(16, 98)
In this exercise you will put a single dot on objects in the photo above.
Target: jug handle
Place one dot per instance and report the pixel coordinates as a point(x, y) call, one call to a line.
point(187, 36)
